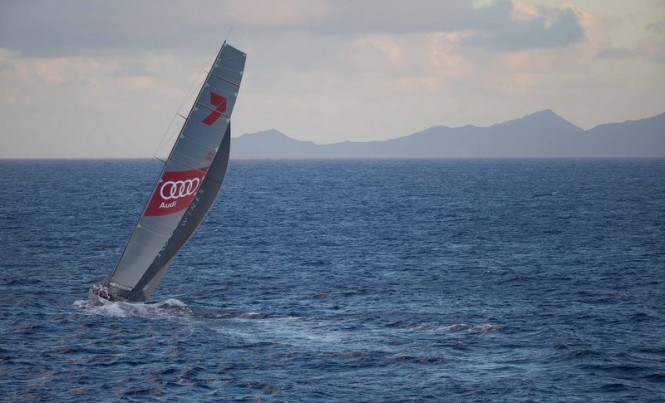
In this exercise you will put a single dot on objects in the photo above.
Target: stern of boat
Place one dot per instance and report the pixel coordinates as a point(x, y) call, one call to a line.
point(98, 294)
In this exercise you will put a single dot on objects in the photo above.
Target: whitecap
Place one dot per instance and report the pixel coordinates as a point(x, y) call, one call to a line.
point(471, 328)
point(454, 328)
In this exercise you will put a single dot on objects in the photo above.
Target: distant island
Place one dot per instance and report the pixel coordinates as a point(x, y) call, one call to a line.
point(542, 134)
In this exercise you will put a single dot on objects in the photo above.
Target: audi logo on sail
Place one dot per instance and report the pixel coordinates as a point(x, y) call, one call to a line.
point(176, 189)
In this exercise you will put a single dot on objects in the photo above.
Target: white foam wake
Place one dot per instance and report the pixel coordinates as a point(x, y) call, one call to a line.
point(167, 308)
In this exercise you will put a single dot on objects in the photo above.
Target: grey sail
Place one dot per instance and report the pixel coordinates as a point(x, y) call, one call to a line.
point(187, 186)
point(189, 222)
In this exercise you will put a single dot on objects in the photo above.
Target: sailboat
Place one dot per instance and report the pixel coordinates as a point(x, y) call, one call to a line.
point(186, 189)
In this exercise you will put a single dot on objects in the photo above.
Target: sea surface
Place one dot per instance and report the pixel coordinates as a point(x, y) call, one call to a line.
point(313, 281)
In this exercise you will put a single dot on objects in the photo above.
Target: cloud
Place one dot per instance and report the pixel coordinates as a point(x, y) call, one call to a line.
point(496, 24)
point(74, 27)
point(657, 27)
point(552, 29)
point(267, 14)
point(650, 47)
point(416, 16)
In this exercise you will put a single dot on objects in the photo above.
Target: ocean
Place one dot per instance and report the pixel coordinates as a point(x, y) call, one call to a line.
point(345, 280)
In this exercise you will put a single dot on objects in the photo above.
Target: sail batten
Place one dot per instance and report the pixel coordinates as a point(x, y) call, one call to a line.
point(213, 109)
point(224, 79)
point(187, 186)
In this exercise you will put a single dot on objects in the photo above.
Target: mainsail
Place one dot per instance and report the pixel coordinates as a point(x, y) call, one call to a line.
point(187, 186)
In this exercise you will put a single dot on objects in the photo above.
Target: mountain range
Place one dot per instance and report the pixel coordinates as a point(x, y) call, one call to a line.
point(542, 134)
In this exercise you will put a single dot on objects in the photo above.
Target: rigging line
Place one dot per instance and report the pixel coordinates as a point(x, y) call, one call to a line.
point(187, 96)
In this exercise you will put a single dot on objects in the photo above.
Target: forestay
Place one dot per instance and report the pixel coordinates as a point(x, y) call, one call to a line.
point(187, 186)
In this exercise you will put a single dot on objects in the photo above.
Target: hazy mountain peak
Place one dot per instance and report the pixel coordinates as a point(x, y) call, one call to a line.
point(540, 134)
point(544, 118)
point(544, 114)
point(270, 133)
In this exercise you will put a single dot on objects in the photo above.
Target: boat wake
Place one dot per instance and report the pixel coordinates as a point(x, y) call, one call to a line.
point(162, 309)
point(246, 315)
point(482, 329)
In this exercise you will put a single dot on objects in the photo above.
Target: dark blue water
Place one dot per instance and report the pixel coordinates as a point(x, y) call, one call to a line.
point(489, 280)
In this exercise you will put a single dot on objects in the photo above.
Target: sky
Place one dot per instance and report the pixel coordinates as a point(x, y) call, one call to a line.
point(105, 79)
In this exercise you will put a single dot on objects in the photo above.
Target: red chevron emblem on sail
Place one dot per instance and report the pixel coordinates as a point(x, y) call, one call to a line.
point(220, 107)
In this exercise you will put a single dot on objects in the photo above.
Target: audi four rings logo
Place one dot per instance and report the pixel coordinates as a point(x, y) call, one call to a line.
point(176, 189)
